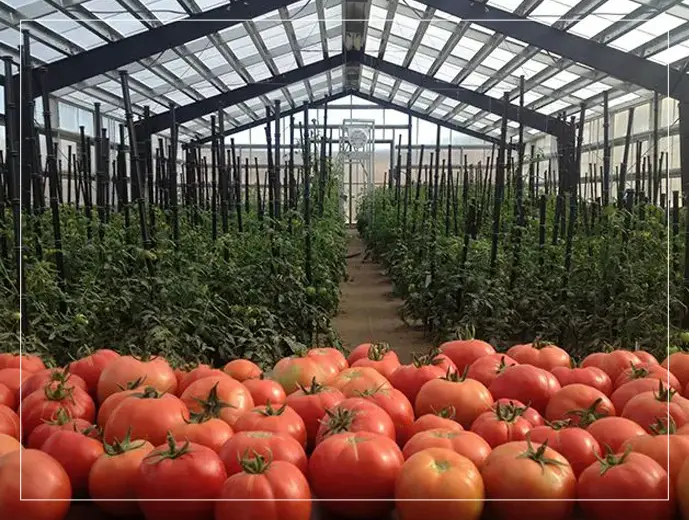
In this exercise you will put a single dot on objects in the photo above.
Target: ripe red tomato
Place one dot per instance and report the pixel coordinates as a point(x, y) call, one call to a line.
point(682, 490)
point(61, 421)
point(7, 398)
point(663, 448)
point(612, 432)
point(352, 381)
point(275, 446)
point(437, 484)
point(534, 473)
point(409, 379)
point(648, 371)
point(331, 359)
point(265, 489)
point(76, 453)
point(357, 468)
point(8, 444)
point(397, 406)
point(111, 403)
point(469, 398)
point(311, 403)
point(27, 362)
point(356, 414)
point(200, 372)
point(501, 425)
point(527, 384)
point(112, 479)
point(45, 488)
point(623, 394)
point(578, 446)
point(52, 377)
point(579, 403)
point(381, 358)
point(442, 419)
point(269, 419)
point(9, 422)
point(184, 471)
point(155, 372)
point(487, 368)
point(464, 352)
point(467, 444)
point(540, 355)
point(223, 393)
point(678, 364)
point(205, 430)
point(13, 378)
point(589, 376)
point(644, 409)
point(297, 370)
point(150, 415)
point(90, 368)
point(612, 363)
point(41, 406)
point(621, 477)
point(265, 391)
point(528, 413)
point(242, 369)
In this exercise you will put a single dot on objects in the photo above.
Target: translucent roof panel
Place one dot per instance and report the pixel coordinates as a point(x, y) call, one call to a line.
point(603, 17)
point(657, 26)
point(466, 48)
point(474, 80)
point(435, 37)
point(671, 54)
point(404, 26)
point(505, 5)
point(549, 11)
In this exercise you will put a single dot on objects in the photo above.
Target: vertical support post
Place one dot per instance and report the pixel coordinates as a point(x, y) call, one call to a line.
point(606, 150)
point(684, 162)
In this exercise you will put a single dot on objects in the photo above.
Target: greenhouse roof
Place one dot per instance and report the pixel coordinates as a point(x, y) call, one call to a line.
point(297, 52)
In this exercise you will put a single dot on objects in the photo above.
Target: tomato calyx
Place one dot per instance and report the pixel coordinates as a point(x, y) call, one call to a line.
point(448, 412)
point(313, 389)
point(502, 366)
point(588, 416)
point(638, 372)
point(454, 377)
point(664, 395)
point(119, 447)
point(559, 425)
point(660, 427)
point(61, 392)
point(465, 333)
point(59, 418)
point(212, 405)
point(610, 460)
point(538, 455)
point(508, 412)
point(149, 392)
point(430, 359)
point(269, 411)
point(339, 420)
point(132, 385)
point(370, 392)
point(539, 343)
point(255, 465)
point(173, 451)
point(377, 351)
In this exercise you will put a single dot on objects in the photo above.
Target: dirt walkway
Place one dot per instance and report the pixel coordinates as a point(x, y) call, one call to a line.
point(368, 311)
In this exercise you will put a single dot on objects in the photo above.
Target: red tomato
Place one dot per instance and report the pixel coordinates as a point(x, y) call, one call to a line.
point(76, 453)
point(612, 363)
point(61, 421)
point(527, 384)
point(351, 466)
point(380, 358)
point(265, 489)
point(200, 372)
point(644, 409)
point(112, 479)
point(623, 394)
point(397, 406)
point(663, 448)
point(7, 397)
point(275, 446)
point(45, 488)
point(467, 444)
point(352, 381)
point(111, 403)
point(27, 362)
point(150, 415)
point(464, 352)
point(361, 351)
point(188, 471)
point(269, 419)
point(329, 357)
point(155, 372)
point(612, 432)
point(9, 444)
point(648, 371)
point(90, 368)
point(437, 484)
point(265, 391)
point(531, 473)
point(487, 368)
point(620, 477)
point(646, 357)
point(468, 397)
point(296, 370)
point(580, 403)
point(223, 393)
point(682, 490)
point(528, 413)
point(409, 379)
point(40, 379)
point(242, 369)
point(578, 446)
point(312, 403)
point(442, 419)
point(205, 430)
point(540, 355)
point(13, 378)
point(589, 376)
point(43, 404)
point(9, 422)
point(356, 414)
point(501, 425)
point(678, 364)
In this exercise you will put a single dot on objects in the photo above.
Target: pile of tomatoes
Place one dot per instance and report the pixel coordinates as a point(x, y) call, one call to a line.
point(460, 432)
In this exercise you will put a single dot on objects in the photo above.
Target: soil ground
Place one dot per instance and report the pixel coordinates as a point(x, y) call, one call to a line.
point(368, 311)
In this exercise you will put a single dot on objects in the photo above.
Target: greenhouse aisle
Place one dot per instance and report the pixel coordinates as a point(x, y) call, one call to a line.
point(368, 311)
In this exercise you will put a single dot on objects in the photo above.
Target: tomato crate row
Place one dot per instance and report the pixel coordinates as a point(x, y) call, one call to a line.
point(463, 431)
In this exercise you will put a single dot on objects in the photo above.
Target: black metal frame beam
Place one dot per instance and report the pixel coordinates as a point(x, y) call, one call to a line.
point(616, 63)
point(532, 119)
point(209, 105)
point(384, 103)
point(73, 69)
